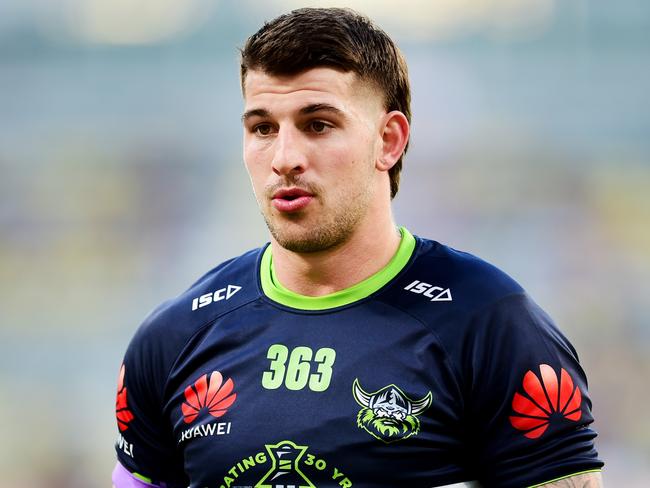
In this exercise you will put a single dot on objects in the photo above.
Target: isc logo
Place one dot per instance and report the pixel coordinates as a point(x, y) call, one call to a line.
point(217, 296)
point(435, 293)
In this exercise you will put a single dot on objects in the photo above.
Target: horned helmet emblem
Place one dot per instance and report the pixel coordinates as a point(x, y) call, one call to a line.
point(388, 414)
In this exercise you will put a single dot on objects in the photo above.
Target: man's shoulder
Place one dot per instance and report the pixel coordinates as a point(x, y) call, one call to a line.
point(466, 282)
point(226, 287)
point(467, 302)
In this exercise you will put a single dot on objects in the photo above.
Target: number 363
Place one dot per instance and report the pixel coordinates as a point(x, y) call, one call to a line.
point(294, 369)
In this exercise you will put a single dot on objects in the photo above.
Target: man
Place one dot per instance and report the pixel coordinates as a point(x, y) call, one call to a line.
point(347, 352)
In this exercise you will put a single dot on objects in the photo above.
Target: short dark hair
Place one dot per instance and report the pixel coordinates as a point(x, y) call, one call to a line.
point(334, 37)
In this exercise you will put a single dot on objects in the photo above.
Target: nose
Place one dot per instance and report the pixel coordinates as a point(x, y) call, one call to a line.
point(289, 157)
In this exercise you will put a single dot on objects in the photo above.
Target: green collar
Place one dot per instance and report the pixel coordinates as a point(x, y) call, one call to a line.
point(273, 289)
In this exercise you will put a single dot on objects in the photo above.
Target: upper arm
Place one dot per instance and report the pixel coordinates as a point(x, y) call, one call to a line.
point(585, 480)
point(122, 478)
point(145, 442)
point(529, 410)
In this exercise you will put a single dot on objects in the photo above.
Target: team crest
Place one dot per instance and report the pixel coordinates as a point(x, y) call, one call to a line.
point(388, 414)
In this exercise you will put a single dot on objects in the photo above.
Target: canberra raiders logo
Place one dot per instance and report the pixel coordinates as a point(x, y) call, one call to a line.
point(388, 414)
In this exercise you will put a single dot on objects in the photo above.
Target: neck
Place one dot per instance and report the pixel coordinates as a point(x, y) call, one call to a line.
point(368, 250)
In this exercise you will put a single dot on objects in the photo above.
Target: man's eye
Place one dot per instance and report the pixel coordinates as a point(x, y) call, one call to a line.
point(262, 129)
point(318, 126)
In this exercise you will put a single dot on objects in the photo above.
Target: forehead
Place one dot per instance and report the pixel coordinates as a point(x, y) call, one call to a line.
point(317, 85)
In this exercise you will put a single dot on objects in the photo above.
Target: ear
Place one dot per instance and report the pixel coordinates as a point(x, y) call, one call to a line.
point(395, 132)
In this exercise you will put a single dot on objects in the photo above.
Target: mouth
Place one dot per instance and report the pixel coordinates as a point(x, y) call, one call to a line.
point(291, 193)
point(291, 199)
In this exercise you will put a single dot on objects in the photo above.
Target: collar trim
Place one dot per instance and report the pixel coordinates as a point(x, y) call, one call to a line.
point(274, 290)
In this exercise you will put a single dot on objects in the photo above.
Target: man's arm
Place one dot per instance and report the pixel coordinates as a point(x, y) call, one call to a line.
point(530, 408)
point(122, 478)
point(585, 480)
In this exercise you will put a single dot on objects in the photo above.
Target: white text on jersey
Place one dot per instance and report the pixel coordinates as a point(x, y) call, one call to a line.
point(435, 293)
point(214, 428)
point(127, 447)
point(217, 296)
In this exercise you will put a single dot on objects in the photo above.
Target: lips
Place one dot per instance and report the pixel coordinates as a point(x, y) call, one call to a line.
point(291, 199)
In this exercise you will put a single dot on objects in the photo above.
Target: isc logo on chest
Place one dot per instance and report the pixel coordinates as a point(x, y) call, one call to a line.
point(221, 294)
point(435, 293)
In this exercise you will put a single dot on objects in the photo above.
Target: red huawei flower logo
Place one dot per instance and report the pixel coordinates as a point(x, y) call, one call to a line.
point(544, 398)
point(123, 414)
point(216, 397)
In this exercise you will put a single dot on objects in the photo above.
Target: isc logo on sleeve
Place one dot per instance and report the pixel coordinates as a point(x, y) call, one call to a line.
point(221, 294)
point(435, 293)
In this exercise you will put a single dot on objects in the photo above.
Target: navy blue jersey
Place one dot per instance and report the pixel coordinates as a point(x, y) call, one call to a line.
point(437, 370)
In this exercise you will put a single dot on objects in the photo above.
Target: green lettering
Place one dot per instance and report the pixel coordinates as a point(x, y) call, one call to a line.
point(248, 463)
point(296, 374)
point(298, 368)
point(320, 380)
point(310, 459)
point(273, 379)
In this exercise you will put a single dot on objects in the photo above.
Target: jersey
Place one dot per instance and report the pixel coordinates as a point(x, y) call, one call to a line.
point(437, 370)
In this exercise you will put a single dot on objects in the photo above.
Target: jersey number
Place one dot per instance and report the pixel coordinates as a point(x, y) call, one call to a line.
point(296, 374)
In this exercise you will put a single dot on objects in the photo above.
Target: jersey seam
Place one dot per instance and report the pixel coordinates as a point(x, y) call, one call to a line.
point(459, 379)
point(538, 331)
point(216, 269)
point(191, 337)
point(472, 317)
point(523, 295)
point(438, 341)
point(161, 394)
point(531, 319)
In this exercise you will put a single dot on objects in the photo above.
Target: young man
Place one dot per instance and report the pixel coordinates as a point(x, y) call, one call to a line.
point(347, 352)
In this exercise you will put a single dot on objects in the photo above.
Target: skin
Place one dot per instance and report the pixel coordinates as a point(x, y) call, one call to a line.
point(326, 132)
point(587, 480)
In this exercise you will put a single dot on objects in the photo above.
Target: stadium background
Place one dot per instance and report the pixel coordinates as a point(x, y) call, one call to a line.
point(121, 181)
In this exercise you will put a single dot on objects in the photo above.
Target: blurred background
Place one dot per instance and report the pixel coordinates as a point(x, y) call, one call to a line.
point(121, 181)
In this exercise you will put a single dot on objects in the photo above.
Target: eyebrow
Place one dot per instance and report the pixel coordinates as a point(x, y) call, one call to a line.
point(308, 109)
point(256, 112)
point(320, 107)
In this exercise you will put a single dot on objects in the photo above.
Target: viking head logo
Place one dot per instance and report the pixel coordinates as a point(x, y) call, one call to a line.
point(388, 414)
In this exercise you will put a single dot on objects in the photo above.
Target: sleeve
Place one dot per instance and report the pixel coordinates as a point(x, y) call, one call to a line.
point(528, 411)
point(145, 445)
point(122, 478)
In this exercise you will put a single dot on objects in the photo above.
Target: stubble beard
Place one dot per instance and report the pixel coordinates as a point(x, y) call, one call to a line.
point(306, 232)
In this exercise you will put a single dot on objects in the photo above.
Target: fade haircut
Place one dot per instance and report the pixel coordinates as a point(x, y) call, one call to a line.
point(339, 38)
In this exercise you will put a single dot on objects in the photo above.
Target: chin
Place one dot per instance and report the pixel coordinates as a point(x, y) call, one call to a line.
point(307, 242)
point(303, 239)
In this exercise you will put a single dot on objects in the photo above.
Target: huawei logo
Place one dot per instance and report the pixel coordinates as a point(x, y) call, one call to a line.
point(546, 397)
point(214, 395)
point(123, 414)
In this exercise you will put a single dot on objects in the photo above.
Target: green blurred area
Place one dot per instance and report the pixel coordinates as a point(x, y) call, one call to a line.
point(122, 181)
